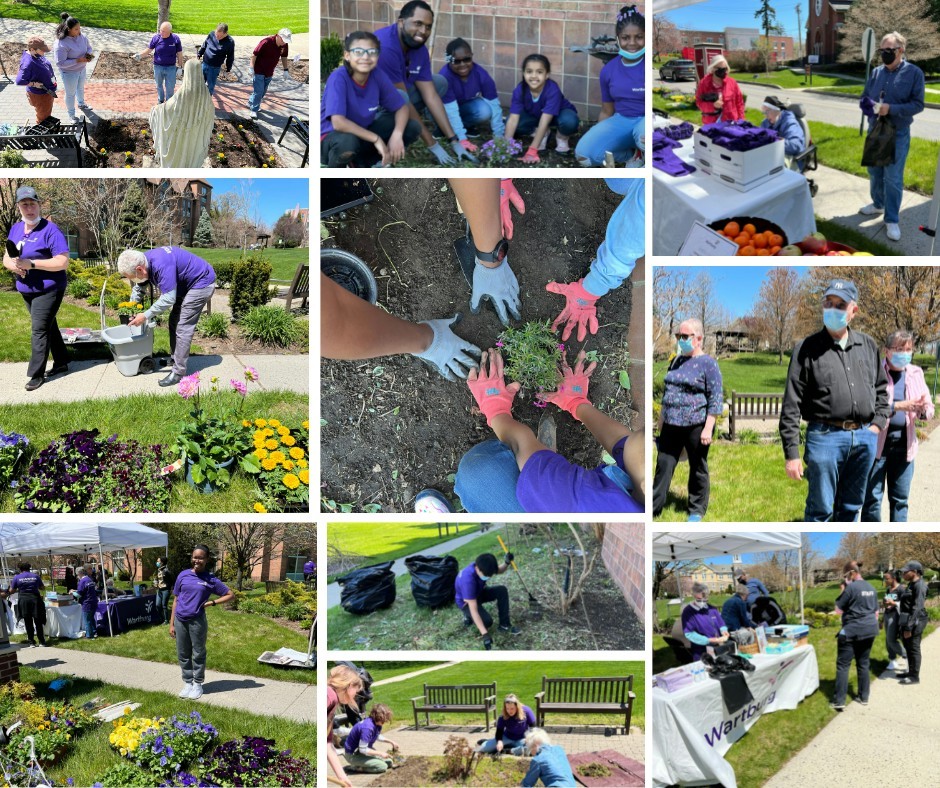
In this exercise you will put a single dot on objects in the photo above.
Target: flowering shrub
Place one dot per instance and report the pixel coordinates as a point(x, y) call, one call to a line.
point(178, 742)
point(499, 152)
point(292, 601)
point(57, 480)
point(255, 761)
point(12, 446)
point(52, 726)
point(533, 355)
point(280, 462)
point(129, 731)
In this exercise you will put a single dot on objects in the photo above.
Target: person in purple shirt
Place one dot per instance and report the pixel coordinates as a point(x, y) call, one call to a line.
point(511, 728)
point(702, 624)
point(188, 624)
point(359, 749)
point(39, 268)
point(363, 119)
point(30, 603)
point(406, 62)
point(692, 401)
point(537, 106)
point(87, 594)
point(619, 129)
point(37, 74)
point(471, 592)
point(471, 96)
point(186, 283)
point(522, 472)
point(310, 570)
point(167, 51)
point(72, 54)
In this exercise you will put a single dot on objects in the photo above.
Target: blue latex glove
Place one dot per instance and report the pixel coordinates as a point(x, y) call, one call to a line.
point(442, 156)
point(462, 153)
point(500, 286)
point(449, 354)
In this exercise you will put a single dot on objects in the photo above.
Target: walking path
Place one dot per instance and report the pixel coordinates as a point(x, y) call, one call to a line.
point(922, 501)
point(293, 701)
point(333, 590)
point(406, 676)
point(899, 725)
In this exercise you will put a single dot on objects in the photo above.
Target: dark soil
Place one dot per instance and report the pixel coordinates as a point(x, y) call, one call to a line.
point(300, 70)
point(422, 771)
point(10, 54)
point(393, 426)
point(121, 65)
point(241, 142)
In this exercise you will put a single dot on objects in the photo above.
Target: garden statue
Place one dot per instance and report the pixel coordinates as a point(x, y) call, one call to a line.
point(183, 124)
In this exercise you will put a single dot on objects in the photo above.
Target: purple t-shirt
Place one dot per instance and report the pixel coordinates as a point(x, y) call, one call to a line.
point(365, 732)
point(468, 585)
point(35, 68)
point(514, 729)
point(173, 268)
point(479, 84)
point(707, 623)
point(625, 87)
point(549, 483)
point(193, 590)
point(309, 568)
point(27, 584)
point(165, 49)
point(88, 594)
point(43, 243)
point(551, 100)
point(358, 103)
point(405, 67)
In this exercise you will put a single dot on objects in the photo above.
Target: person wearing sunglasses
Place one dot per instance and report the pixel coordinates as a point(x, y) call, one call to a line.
point(692, 402)
point(838, 385)
point(895, 90)
point(471, 99)
point(363, 119)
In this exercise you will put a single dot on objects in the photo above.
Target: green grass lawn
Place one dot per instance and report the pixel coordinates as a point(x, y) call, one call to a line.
point(789, 600)
point(149, 419)
point(523, 679)
point(790, 79)
point(244, 17)
point(745, 372)
point(236, 640)
point(776, 737)
point(91, 755)
point(284, 262)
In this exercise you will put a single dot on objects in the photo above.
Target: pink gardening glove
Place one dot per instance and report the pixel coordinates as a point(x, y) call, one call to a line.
point(489, 389)
point(507, 195)
point(580, 309)
point(531, 156)
point(468, 146)
point(572, 391)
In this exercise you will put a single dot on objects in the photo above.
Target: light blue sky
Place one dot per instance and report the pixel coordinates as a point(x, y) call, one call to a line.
point(737, 287)
point(274, 195)
point(719, 14)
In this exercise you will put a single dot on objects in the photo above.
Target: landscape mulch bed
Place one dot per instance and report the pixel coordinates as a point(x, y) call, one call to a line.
point(120, 65)
point(241, 141)
point(392, 426)
point(423, 770)
point(10, 54)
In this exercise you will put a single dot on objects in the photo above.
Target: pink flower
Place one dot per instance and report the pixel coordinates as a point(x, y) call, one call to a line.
point(540, 403)
point(239, 386)
point(189, 386)
point(499, 344)
point(251, 374)
point(561, 347)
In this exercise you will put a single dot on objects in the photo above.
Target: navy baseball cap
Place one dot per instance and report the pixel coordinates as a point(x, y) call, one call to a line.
point(842, 288)
point(913, 566)
point(26, 193)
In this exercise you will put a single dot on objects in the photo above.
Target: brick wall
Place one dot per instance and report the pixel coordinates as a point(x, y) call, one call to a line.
point(9, 667)
point(502, 33)
point(624, 556)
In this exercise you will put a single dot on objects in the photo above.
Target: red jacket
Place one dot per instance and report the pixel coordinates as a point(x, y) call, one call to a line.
point(733, 106)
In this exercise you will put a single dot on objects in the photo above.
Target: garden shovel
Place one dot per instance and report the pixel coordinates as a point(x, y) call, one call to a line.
point(533, 602)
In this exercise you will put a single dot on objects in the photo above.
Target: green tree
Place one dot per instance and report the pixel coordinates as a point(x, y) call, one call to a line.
point(133, 215)
point(203, 235)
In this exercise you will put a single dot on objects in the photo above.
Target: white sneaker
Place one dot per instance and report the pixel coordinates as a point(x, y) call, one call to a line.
point(196, 693)
point(894, 232)
point(185, 692)
point(871, 210)
point(561, 144)
point(253, 115)
point(892, 665)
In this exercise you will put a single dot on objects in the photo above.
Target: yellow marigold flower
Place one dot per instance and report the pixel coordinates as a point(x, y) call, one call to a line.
point(268, 432)
point(268, 464)
point(290, 481)
point(270, 444)
point(260, 423)
point(259, 508)
point(304, 476)
point(282, 430)
point(278, 456)
point(288, 440)
point(246, 423)
point(287, 465)
point(301, 463)
point(257, 434)
point(274, 423)
point(297, 453)
point(261, 452)
point(305, 424)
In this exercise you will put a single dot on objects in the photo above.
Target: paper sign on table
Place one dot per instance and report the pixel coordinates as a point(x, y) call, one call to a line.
point(702, 241)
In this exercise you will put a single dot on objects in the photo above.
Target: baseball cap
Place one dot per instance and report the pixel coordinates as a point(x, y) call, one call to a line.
point(285, 34)
point(772, 102)
point(913, 566)
point(36, 42)
point(842, 288)
point(26, 193)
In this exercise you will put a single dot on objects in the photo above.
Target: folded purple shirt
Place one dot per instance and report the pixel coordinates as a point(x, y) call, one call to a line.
point(678, 131)
point(664, 159)
point(739, 136)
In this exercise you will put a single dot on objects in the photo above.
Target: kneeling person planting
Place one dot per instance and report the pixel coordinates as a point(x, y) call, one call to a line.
point(359, 750)
point(472, 592)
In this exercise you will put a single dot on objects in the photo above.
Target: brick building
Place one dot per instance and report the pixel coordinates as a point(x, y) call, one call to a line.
point(624, 554)
point(502, 33)
point(826, 17)
point(690, 38)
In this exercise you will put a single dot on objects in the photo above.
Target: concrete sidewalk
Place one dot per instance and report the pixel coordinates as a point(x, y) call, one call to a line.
point(287, 699)
point(100, 379)
point(922, 500)
point(407, 676)
point(897, 730)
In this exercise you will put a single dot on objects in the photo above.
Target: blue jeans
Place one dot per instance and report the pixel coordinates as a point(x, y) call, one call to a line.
point(414, 96)
point(894, 469)
point(73, 82)
point(618, 134)
point(886, 184)
point(486, 479)
point(163, 604)
point(838, 464)
point(165, 77)
point(565, 121)
point(490, 745)
point(88, 622)
point(211, 74)
point(475, 112)
point(259, 88)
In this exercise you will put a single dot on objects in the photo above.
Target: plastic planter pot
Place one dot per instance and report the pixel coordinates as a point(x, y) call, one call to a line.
point(350, 273)
point(207, 486)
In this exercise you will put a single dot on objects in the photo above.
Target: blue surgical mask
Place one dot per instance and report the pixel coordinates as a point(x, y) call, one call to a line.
point(484, 578)
point(685, 346)
point(901, 360)
point(633, 55)
point(835, 319)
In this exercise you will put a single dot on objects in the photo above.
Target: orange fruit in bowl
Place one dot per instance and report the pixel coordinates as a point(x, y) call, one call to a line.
point(732, 229)
point(776, 239)
point(742, 239)
point(750, 229)
point(748, 251)
point(759, 241)
point(775, 249)
point(763, 252)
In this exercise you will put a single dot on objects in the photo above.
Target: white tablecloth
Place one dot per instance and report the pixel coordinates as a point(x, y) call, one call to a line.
point(678, 202)
point(692, 730)
point(61, 622)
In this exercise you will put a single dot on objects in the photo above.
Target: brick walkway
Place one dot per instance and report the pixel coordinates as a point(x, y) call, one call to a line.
point(430, 741)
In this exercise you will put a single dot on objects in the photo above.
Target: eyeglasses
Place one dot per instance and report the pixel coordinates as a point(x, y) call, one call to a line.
point(833, 305)
point(360, 52)
point(462, 61)
point(685, 336)
point(888, 50)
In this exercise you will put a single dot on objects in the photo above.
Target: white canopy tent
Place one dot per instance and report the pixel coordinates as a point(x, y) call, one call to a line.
point(7, 530)
point(690, 545)
point(671, 5)
point(53, 538)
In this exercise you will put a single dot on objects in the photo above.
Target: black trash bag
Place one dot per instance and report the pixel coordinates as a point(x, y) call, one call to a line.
point(432, 579)
point(368, 589)
point(879, 144)
point(765, 610)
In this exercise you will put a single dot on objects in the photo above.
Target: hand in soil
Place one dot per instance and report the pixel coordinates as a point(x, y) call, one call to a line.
point(500, 286)
point(449, 354)
point(489, 389)
point(572, 392)
point(580, 309)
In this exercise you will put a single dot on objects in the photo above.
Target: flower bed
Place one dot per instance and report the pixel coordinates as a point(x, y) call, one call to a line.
point(12, 446)
point(280, 463)
point(292, 601)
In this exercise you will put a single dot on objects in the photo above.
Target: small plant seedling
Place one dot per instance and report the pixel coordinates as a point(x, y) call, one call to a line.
point(592, 355)
point(532, 355)
point(594, 769)
point(500, 152)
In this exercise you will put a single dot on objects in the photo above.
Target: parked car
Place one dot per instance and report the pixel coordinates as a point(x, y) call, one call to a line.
point(677, 69)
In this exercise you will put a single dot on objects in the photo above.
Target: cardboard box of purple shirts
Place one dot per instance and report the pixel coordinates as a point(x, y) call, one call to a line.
point(741, 170)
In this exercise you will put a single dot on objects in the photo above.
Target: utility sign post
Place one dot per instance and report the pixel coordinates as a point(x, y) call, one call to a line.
point(868, 52)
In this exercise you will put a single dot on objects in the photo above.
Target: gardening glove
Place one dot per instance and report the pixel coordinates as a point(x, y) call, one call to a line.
point(510, 558)
point(442, 156)
point(500, 286)
point(468, 146)
point(531, 156)
point(572, 391)
point(507, 195)
point(448, 353)
point(489, 389)
point(580, 309)
point(461, 151)
point(136, 56)
point(488, 642)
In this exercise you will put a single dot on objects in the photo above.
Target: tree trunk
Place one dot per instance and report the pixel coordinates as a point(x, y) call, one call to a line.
point(163, 12)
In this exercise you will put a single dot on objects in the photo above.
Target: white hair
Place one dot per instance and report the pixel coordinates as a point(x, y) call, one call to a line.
point(716, 62)
point(696, 325)
point(128, 261)
point(536, 737)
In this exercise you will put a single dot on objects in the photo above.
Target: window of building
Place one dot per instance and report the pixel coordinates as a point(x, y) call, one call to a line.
point(295, 567)
point(71, 236)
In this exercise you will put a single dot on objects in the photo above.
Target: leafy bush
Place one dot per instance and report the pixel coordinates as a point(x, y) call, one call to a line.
point(250, 279)
point(270, 325)
point(13, 159)
point(748, 436)
point(223, 272)
point(331, 54)
point(125, 775)
point(130, 480)
point(78, 288)
point(214, 325)
point(532, 354)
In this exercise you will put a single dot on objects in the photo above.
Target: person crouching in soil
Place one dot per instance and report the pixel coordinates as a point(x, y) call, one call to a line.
point(359, 749)
point(471, 592)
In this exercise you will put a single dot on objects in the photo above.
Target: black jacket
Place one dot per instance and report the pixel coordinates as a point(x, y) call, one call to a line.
point(913, 606)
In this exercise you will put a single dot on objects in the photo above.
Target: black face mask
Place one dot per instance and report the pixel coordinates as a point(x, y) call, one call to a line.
point(888, 57)
point(721, 73)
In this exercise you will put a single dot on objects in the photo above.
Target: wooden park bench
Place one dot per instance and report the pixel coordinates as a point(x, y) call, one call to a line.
point(761, 406)
point(66, 136)
point(456, 699)
point(585, 696)
point(444, 529)
point(302, 130)
point(299, 286)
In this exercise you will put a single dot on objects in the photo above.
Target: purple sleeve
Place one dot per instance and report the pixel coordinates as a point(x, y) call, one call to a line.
point(487, 85)
point(529, 716)
point(713, 384)
point(449, 96)
point(334, 95)
point(605, 87)
point(552, 105)
point(424, 59)
point(57, 242)
point(219, 588)
point(515, 105)
point(153, 42)
point(178, 43)
point(389, 97)
point(550, 483)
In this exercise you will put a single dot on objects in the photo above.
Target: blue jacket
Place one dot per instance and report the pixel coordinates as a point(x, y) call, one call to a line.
point(903, 91)
point(625, 241)
point(789, 129)
point(735, 614)
point(214, 52)
point(755, 589)
point(551, 766)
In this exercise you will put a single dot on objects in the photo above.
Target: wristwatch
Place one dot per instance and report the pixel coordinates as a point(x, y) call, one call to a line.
point(455, 138)
point(32, 263)
point(496, 256)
